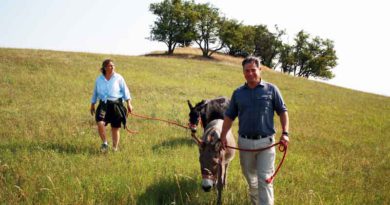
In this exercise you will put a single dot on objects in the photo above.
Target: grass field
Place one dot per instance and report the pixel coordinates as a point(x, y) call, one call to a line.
point(49, 147)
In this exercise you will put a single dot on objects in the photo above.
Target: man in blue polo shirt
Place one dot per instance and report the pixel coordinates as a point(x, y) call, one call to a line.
point(255, 103)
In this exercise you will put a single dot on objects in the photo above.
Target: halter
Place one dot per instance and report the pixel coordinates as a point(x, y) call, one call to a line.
point(193, 127)
point(213, 177)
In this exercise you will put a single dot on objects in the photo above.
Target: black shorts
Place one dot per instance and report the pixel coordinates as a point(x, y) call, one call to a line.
point(106, 112)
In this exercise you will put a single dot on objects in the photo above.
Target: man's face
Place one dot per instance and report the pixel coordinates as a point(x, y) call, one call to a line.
point(251, 73)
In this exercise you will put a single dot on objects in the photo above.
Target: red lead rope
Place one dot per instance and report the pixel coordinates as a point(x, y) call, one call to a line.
point(282, 147)
point(158, 119)
point(152, 118)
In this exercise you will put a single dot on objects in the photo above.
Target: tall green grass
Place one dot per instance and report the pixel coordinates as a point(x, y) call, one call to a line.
point(49, 147)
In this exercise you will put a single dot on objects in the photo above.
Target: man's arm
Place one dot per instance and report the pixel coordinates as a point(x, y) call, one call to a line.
point(227, 124)
point(284, 121)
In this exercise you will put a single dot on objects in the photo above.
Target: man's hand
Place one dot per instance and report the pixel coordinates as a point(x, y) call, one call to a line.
point(223, 142)
point(92, 109)
point(284, 139)
point(227, 124)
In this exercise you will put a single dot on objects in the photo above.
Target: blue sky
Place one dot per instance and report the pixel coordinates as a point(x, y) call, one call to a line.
point(359, 29)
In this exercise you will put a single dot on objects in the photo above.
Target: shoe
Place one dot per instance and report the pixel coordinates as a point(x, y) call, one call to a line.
point(115, 149)
point(104, 148)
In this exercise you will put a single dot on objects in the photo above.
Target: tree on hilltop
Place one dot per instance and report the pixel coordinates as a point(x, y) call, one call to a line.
point(309, 57)
point(267, 44)
point(181, 23)
point(207, 29)
point(286, 58)
point(187, 20)
point(237, 38)
point(174, 23)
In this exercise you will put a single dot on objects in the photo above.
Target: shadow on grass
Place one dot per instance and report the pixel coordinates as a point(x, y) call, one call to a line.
point(175, 190)
point(65, 148)
point(171, 144)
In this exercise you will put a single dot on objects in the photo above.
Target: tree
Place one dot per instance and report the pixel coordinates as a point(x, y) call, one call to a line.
point(230, 35)
point(267, 44)
point(308, 57)
point(174, 23)
point(237, 38)
point(248, 37)
point(322, 59)
point(187, 20)
point(301, 54)
point(286, 58)
point(207, 29)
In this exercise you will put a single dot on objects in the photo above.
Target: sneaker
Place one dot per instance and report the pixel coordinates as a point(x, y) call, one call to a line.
point(104, 148)
point(115, 149)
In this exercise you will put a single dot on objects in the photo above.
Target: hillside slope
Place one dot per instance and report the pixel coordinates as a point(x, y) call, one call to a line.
point(339, 151)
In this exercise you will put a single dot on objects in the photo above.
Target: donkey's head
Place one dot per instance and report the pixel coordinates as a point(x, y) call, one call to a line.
point(195, 114)
point(210, 160)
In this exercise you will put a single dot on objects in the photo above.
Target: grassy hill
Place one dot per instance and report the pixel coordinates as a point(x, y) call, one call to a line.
point(49, 147)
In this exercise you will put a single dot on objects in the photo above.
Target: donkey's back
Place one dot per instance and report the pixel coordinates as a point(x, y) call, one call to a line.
point(215, 109)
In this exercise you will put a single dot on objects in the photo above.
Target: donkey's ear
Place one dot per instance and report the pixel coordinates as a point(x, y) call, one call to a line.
point(218, 145)
point(214, 137)
point(190, 105)
point(209, 139)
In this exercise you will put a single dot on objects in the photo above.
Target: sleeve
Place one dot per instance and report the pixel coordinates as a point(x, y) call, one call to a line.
point(279, 104)
point(232, 111)
point(125, 90)
point(94, 94)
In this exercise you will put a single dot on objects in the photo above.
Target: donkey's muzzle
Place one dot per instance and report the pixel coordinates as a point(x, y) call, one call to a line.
point(206, 189)
point(207, 184)
point(193, 128)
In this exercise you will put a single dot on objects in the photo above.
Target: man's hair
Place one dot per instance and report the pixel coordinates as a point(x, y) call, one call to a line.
point(251, 59)
point(104, 65)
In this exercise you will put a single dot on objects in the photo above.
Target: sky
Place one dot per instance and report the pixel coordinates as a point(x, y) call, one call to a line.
point(360, 29)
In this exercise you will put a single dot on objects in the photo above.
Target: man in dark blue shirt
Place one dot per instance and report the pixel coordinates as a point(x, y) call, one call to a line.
point(255, 103)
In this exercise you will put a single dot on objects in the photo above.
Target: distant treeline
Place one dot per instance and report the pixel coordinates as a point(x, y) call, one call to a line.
point(183, 23)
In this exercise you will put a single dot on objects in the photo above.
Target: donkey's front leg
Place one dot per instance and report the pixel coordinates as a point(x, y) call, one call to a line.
point(221, 182)
point(225, 174)
point(219, 197)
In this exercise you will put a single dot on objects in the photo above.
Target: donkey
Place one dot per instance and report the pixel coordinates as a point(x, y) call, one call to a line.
point(214, 161)
point(207, 111)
